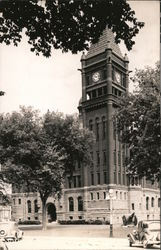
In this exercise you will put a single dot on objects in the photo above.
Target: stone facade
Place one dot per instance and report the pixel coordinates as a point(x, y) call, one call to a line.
point(104, 79)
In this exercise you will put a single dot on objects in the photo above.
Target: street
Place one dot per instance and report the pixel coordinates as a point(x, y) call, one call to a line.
point(65, 243)
point(67, 237)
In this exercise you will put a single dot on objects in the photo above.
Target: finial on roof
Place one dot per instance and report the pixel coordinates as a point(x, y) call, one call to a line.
point(83, 56)
point(126, 58)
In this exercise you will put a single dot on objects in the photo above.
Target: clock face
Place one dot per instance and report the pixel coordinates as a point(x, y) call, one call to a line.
point(96, 77)
point(118, 77)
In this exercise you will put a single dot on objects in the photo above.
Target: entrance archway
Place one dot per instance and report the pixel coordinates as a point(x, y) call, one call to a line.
point(51, 212)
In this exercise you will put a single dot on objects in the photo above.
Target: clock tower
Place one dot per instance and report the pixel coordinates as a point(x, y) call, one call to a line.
point(104, 80)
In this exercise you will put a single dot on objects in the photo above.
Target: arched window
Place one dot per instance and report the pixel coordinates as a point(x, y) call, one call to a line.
point(35, 206)
point(29, 206)
point(80, 203)
point(90, 125)
point(103, 127)
point(147, 203)
point(158, 202)
point(71, 204)
point(97, 129)
point(152, 202)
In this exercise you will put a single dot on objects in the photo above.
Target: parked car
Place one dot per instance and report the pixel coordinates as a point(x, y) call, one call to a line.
point(147, 235)
point(9, 231)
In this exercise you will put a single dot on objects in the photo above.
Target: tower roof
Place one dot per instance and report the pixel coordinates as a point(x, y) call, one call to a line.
point(102, 44)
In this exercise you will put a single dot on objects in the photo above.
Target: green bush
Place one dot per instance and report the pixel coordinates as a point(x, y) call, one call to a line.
point(81, 222)
point(29, 222)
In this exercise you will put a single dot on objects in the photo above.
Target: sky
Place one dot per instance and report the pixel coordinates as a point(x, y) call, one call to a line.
point(55, 83)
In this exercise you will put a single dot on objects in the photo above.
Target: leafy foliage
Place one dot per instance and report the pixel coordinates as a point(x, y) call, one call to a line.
point(138, 119)
point(2, 93)
point(66, 25)
point(36, 152)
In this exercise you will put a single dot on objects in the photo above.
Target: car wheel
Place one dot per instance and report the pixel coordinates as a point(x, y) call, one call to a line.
point(2, 233)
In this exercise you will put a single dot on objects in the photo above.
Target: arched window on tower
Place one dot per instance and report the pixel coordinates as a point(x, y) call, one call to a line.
point(71, 204)
point(29, 206)
point(103, 128)
point(97, 129)
point(35, 206)
point(147, 203)
point(152, 202)
point(80, 203)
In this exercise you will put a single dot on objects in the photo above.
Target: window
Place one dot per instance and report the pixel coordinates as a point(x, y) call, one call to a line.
point(152, 202)
point(36, 218)
point(75, 182)
point(133, 206)
point(98, 178)
point(14, 202)
point(114, 157)
point(93, 93)
point(116, 194)
point(69, 182)
point(104, 195)
point(105, 177)
point(100, 91)
point(115, 179)
point(98, 196)
point(104, 157)
point(119, 158)
point(105, 90)
point(104, 74)
point(19, 201)
point(80, 203)
point(119, 177)
point(123, 178)
point(125, 196)
point(147, 203)
point(103, 128)
point(158, 202)
point(29, 206)
point(90, 125)
point(97, 129)
point(124, 81)
point(35, 206)
point(71, 204)
point(91, 196)
point(79, 180)
point(120, 195)
point(91, 159)
point(123, 155)
point(98, 158)
point(92, 179)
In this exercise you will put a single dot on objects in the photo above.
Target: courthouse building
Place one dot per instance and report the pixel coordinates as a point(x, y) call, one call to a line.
point(105, 77)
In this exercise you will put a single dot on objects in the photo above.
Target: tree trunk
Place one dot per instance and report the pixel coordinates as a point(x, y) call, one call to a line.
point(44, 215)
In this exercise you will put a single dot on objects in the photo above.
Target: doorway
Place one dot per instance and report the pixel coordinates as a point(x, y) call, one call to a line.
point(51, 212)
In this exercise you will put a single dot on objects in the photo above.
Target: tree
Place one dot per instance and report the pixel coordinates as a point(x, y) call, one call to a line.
point(31, 158)
point(66, 25)
point(139, 123)
point(67, 134)
point(2, 93)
